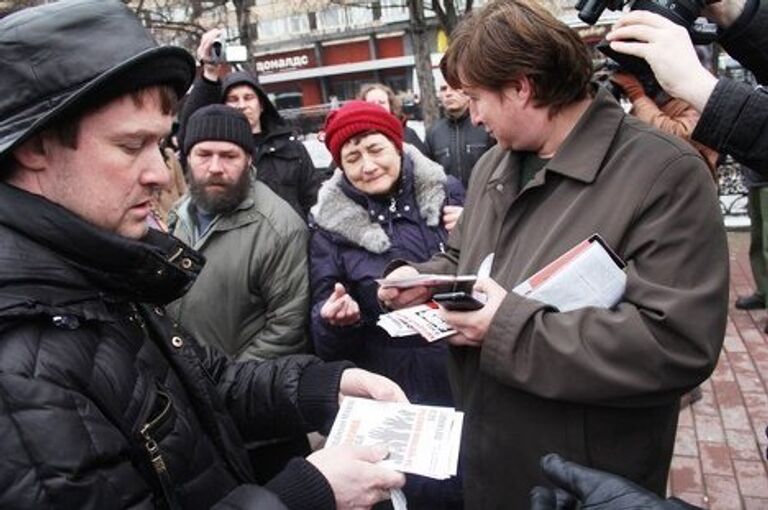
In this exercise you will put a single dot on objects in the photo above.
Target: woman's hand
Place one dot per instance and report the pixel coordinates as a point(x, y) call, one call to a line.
point(394, 298)
point(451, 215)
point(340, 309)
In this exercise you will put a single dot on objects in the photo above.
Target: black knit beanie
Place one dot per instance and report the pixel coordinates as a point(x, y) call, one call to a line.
point(219, 123)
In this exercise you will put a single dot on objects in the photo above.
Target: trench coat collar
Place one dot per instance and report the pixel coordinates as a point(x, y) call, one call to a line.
point(582, 152)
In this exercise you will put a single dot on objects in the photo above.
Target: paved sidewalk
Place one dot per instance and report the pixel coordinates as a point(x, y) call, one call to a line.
point(719, 460)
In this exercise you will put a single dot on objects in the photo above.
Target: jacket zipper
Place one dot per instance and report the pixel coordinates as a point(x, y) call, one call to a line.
point(459, 166)
point(156, 456)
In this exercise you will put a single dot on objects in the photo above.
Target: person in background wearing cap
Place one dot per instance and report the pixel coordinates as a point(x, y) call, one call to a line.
point(104, 401)
point(601, 385)
point(280, 160)
point(251, 298)
point(385, 201)
point(454, 141)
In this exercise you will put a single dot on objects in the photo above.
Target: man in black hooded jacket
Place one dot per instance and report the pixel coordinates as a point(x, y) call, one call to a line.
point(104, 401)
point(281, 161)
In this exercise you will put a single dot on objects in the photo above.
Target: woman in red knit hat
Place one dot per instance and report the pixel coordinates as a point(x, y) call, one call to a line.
point(385, 201)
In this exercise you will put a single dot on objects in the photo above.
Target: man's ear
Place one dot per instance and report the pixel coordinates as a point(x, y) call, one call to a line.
point(32, 154)
point(525, 89)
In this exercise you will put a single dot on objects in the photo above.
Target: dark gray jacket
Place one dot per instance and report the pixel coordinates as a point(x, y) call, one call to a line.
point(457, 145)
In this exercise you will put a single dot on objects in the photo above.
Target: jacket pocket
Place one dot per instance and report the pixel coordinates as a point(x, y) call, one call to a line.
point(443, 156)
point(475, 148)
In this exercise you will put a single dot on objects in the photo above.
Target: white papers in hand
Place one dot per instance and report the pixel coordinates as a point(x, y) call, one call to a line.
point(422, 440)
point(424, 320)
point(587, 275)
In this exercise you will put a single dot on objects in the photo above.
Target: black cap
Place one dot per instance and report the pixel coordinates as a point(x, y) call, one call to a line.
point(238, 78)
point(219, 123)
point(60, 56)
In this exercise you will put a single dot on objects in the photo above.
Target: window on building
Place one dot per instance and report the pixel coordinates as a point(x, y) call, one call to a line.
point(393, 10)
point(272, 28)
point(357, 16)
point(330, 18)
point(299, 24)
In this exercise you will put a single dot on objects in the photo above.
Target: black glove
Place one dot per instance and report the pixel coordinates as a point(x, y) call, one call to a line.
point(583, 487)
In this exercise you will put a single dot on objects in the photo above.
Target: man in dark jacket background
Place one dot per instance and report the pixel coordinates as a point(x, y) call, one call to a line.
point(454, 141)
point(104, 401)
point(281, 160)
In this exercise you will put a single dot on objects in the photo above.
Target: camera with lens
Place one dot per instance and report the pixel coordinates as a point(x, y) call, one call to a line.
point(682, 12)
point(218, 52)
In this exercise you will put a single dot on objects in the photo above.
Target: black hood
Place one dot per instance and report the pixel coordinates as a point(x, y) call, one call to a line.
point(65, 55)
point(271, 121)
point(48, 255)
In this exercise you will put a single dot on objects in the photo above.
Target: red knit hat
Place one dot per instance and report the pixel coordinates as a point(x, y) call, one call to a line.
point(357, 117)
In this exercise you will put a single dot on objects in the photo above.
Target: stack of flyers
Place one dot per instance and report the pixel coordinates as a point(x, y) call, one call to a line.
point(423, 440)
point(424, 320)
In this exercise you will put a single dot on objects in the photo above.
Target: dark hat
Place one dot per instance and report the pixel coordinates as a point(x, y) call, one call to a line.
point(238, 78)
point(358, 117)
point(218, 122)
point(59, 57)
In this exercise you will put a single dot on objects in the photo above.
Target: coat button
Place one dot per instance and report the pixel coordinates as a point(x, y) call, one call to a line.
point(407, 208)
point(159, 311)
point(381, 217)
point(177, 342)
point(186, 263)
point(499, 187)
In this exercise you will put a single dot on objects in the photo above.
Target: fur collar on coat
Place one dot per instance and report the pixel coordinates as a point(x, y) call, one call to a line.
point(338, 213)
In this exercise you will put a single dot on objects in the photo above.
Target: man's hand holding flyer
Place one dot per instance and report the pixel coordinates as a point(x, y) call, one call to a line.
point(589, 274)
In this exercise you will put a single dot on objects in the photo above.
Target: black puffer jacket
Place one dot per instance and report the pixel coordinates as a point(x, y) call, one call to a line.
point(457, 144)
point(281, 160)
point(91, 380)
point(735, 118)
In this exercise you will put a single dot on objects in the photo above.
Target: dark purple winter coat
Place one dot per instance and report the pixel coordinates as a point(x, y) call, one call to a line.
point(354, 237)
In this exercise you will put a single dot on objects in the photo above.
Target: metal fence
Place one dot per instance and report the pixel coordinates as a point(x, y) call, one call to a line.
point(731, 189)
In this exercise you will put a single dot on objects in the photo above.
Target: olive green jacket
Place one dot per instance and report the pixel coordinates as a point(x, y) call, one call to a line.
point(252, 297)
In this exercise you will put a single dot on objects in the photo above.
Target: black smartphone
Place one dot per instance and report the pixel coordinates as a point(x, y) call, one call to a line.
point(458, 301)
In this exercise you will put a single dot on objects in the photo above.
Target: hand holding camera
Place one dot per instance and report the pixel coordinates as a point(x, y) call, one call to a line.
point(668, 49)
point(210, 52)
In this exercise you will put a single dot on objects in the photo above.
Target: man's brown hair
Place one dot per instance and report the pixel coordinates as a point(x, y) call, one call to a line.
point(509, 39)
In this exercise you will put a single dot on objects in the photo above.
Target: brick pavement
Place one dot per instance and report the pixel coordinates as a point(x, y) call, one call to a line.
point(719, 460)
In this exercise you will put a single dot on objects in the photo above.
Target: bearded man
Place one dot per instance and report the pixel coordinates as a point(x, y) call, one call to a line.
point(252, 298)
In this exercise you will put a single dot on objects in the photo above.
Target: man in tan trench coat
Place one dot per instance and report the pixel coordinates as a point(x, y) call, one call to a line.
point(598, 386)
